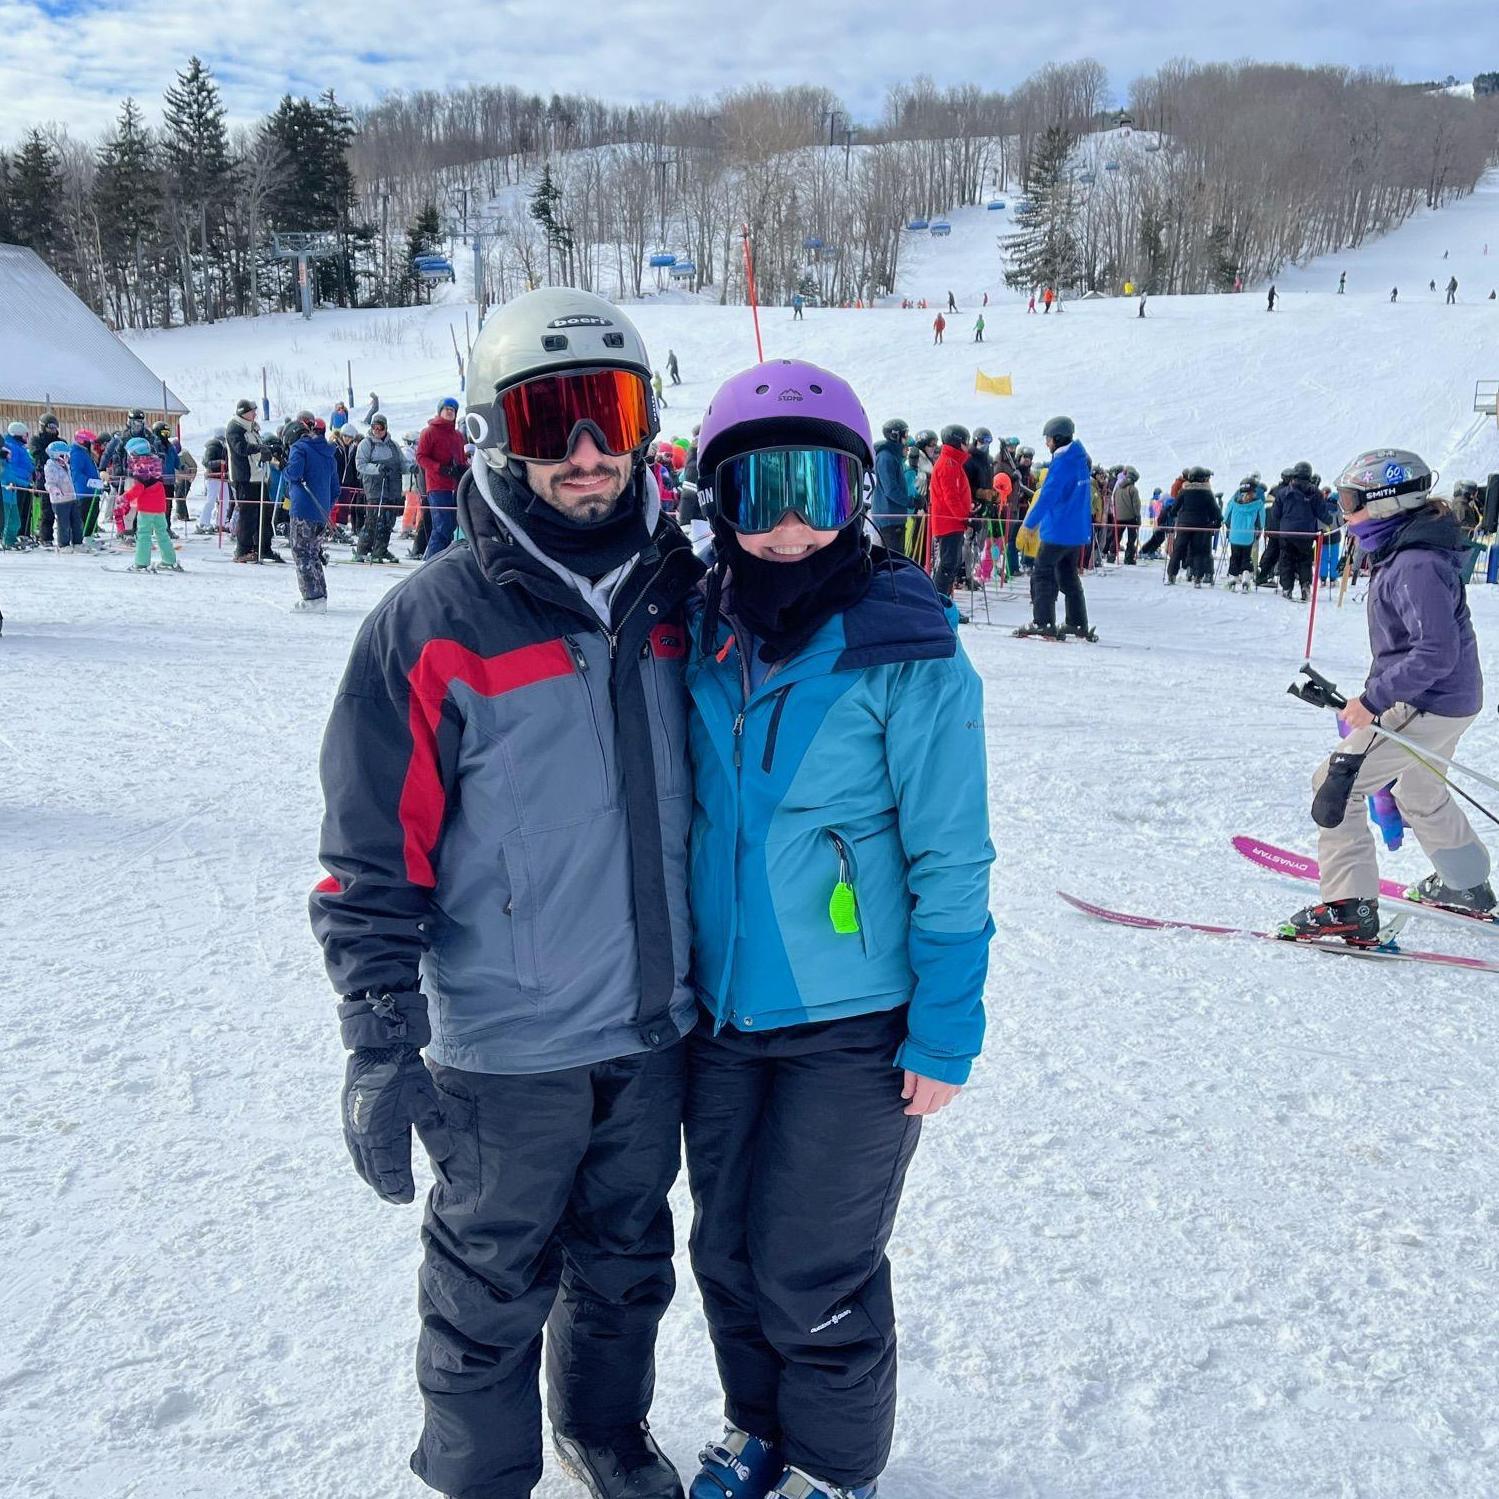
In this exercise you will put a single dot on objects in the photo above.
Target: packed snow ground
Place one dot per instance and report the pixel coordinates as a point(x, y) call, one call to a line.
point(1214, 1218)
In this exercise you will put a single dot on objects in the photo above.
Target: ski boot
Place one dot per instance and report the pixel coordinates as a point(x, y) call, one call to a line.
point(795, 1484)
point(1170, 581)
point(1479, 901)
point(1285, 593)
point(389, 558)
point(1046, 632)
point(310, 606)
point(1355, 920)
point(738, 1467)
point(1086, 632)
point(169, 567)
point(135, 567)
point(1306, 593)
point(625, 1465)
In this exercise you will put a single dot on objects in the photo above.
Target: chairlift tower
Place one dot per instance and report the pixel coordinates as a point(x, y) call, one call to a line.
point(305, 246)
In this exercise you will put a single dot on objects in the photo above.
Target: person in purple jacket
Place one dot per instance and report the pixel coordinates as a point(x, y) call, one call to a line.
point(1424, 683)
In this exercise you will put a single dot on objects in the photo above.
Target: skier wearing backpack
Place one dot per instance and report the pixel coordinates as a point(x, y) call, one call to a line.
point(841, 930)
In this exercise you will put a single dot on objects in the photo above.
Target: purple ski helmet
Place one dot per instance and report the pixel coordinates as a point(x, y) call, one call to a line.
point(782, 403)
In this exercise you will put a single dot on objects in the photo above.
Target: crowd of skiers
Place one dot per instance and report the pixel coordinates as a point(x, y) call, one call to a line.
point(73, 493)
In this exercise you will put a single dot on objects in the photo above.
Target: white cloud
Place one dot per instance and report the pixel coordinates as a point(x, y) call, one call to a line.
point(73, 60)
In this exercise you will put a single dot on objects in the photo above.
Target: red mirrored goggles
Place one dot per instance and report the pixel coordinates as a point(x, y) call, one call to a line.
point(539, 420)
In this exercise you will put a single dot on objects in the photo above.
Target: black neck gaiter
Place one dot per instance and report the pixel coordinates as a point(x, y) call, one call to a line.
point(784, 603)
point(590, 548)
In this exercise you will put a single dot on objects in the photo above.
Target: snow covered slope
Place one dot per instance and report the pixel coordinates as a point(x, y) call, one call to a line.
point(1212, 1219)
point(1212, 380)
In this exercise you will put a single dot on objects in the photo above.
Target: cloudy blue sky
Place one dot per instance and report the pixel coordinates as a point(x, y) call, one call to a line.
point(72, 60)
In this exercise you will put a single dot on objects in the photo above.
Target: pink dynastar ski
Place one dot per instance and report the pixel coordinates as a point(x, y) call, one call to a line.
point(1298, 867)
point(1159, 924)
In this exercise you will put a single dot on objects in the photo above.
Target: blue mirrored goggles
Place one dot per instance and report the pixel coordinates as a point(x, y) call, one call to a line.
point(822, 486)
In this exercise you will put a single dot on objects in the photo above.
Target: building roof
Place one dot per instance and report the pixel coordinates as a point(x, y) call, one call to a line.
point(53, 349)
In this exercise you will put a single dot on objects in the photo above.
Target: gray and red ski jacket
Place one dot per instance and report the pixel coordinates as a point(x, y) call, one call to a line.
point(508, 804)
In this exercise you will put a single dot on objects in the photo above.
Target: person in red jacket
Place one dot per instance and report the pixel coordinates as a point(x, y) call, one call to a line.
point(442, 458)
point(938, 324)
point(951, 506)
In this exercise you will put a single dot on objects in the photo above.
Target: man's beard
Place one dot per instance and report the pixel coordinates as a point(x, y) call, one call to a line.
point(589, 509)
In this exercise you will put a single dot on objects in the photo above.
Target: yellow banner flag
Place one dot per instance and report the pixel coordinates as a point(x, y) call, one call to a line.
point(992, 385)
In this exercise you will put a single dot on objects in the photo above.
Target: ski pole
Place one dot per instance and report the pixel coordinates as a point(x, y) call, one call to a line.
point(1321, 693)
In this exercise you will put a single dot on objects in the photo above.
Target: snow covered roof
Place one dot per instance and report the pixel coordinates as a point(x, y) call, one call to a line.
point(54, 350)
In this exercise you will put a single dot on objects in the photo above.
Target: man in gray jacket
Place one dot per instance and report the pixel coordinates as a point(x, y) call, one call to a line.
point(381, 466)
point(506, 828)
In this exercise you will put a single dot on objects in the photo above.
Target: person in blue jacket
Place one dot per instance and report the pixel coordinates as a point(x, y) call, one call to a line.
point(1063, 518)
point(839, 868)
point(1244, 519)
point(15, 483)
point(312, 482)
point(893, 499)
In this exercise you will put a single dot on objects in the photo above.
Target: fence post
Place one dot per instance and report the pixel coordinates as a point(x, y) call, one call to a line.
point(1311, 623)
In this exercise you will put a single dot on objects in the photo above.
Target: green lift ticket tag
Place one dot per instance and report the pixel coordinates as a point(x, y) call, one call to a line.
point(843, 910)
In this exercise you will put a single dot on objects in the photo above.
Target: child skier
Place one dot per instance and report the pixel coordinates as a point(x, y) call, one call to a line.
point(840, 830)
point(1245, 519)
point(1424, 683)
point(145, 494)
point(68, 535)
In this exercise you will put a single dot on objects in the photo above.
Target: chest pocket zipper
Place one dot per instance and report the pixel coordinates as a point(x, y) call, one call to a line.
point(666, 773)
point(773, 731)
point(580, 670)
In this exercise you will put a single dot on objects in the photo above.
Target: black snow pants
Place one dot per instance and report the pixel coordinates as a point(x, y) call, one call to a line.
point(557, 1182)
point(1193, 551)
point(252, 521)
point(1056, 571)
point(1269, 561)
point(1240, 559)
point(1296, 554)
point(1156, 542)
point(949, 567)
point(797, 1149)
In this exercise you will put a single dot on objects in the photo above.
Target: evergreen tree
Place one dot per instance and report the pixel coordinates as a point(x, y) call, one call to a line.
point(7, 228)
point(1152, 250)
point(317, 190)
point(1043, 250)
point(197, 154)
point(546, 204)
point(36, 196)
point(128, 201)
point(423, 238)
point(1222, 263)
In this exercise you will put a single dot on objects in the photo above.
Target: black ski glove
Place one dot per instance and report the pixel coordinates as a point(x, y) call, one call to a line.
point(387, 1090)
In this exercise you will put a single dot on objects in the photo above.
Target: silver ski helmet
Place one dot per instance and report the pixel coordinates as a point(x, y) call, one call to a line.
point(1385, 482)
point(548, 331)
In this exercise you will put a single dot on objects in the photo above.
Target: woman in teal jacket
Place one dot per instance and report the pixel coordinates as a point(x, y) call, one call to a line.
point(840, 872)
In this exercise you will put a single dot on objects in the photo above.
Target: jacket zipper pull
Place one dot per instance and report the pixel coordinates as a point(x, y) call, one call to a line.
point(739, 740)
point(843, 907)
point(577, 651)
